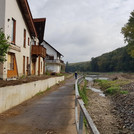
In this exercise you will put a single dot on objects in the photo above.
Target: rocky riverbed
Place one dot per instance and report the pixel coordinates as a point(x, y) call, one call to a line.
point(124, 107)
point(114, 114)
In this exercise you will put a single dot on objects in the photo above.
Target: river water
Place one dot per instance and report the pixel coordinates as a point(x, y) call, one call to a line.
point(90, 78)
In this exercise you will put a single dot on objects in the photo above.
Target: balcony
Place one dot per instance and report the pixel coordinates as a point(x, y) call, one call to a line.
point(38, 51)
point(55, 61)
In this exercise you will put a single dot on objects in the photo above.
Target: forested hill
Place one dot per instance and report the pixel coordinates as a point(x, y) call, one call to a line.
point(81, 67)
point(116, 61)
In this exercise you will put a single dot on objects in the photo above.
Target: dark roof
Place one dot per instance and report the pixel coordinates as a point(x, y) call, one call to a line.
point(53, 48)
point(26, 12)
point(40, 27)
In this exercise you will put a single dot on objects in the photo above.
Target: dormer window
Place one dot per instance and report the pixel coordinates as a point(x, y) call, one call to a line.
point(13, 34)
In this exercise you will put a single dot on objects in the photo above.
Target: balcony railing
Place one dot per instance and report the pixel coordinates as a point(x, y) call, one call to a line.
point(38, 50)
point(55, 61)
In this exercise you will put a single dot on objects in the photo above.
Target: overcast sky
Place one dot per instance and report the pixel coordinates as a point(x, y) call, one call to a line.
point(82, 29)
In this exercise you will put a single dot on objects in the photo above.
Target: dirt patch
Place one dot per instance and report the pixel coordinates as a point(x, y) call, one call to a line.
point(23, 80)
point(121, 76)
point(28, 79)
point(100, 110)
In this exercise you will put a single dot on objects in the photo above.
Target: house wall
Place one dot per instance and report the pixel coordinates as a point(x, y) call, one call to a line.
point(2, 13)
point(50, 51)
point(13, 11)
point(13, 95)
point(53, 68)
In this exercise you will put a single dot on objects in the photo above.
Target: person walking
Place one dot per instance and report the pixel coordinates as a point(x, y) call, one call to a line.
point(75, 75)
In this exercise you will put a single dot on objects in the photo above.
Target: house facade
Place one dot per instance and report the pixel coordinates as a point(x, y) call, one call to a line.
point(25, 55)
point(53, 59)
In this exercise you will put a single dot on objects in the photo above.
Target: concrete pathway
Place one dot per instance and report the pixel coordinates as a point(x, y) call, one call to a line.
point(49, 114)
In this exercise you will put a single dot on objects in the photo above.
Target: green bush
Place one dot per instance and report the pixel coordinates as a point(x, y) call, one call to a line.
point(112, 87)
point(112, 90)
point(104, 84)
point(40, 93)
point(4, 46)
point(124, 92)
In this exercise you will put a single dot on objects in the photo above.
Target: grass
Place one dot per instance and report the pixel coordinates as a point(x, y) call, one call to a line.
point(40, 93)
point(112, 87)
point(83, 92)
point(22, 77)
point(48, 88)
point(124, 92)
point(48, 73)
point(104, 84)
point(112, 90)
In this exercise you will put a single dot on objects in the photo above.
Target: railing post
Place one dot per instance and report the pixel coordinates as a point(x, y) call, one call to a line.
point(81, 122)
point(76, 115)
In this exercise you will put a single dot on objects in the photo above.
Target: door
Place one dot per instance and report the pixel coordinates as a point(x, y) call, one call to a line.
point(11, 66)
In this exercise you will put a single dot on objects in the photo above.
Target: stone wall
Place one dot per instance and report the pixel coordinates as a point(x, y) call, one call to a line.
point(11, 96)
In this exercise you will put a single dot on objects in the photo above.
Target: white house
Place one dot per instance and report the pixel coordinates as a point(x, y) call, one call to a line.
point(53, 58)
point(25, 55)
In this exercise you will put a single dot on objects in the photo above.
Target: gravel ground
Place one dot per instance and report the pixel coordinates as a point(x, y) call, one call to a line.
point(100, 109)
point(124, 107)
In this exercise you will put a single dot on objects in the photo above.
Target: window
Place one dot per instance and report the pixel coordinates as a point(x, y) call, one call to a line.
point(28, 41)
point(23, 64)
point(51, 57)
point(24, 38)
point(13, 34)
point(10, 61)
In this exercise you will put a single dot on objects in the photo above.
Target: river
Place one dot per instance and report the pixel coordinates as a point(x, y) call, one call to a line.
point(90, 78)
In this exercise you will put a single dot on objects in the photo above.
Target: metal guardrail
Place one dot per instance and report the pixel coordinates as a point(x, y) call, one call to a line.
point(82, 112)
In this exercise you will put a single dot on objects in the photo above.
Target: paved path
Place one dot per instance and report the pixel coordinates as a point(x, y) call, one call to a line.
point(49, 114)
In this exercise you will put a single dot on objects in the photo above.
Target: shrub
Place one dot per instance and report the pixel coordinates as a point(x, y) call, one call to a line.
point(112, 90)
point(112, 87)
point(124, 92)
point(104, 84)
point(4, 46)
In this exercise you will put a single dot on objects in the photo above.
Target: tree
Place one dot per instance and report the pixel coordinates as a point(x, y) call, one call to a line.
point(4, 45)
point(128, 31)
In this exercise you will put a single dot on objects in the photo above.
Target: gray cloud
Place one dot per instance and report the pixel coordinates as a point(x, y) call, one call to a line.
point(81, 29)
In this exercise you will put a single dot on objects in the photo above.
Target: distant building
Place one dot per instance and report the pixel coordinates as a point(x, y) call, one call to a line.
point(26, 55)
point(53, 59)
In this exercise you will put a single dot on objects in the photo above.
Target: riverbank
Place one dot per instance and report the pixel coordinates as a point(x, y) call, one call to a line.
point(113, 114)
